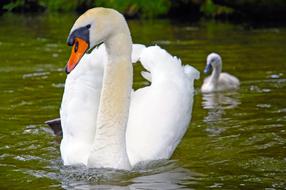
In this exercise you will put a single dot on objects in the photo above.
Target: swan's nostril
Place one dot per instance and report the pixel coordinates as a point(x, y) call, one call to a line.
point(76, 46)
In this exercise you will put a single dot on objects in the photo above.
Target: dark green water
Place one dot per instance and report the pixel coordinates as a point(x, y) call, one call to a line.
point(235, 140)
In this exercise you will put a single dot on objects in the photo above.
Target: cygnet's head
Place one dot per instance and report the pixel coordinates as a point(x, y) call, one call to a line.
point(213, 61)
point(91, 29)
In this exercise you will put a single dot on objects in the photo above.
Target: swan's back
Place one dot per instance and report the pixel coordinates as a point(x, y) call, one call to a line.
point(225, 82)
point(160, 113)
point(228, 81)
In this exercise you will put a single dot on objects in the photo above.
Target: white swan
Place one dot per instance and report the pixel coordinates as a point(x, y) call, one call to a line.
point(218, 81)
point(104, 122)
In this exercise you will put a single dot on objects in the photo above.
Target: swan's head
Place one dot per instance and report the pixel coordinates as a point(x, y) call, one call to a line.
point(90, 29)
point(213, 61)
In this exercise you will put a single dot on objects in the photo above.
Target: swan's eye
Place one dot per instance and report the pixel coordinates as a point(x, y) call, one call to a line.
point(88, 26)
point(76, 46)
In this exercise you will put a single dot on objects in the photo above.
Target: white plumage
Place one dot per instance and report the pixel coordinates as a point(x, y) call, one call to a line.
point(218, 81)
point(160, 113)
point(158, 117)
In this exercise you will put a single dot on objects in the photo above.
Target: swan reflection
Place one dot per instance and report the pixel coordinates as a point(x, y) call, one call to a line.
point(158, 175)
point(217, 103)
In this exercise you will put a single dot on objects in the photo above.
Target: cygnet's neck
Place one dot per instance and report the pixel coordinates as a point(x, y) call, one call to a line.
point(216, 72)
point(109, 148)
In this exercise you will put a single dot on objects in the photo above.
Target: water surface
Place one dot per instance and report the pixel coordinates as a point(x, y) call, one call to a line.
point(236, 140)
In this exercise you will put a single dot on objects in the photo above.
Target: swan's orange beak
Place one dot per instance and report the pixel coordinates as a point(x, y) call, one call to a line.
point(78, 50)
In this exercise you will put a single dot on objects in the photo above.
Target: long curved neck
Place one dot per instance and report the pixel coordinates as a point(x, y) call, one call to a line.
point(109, 148)
point(216, 72)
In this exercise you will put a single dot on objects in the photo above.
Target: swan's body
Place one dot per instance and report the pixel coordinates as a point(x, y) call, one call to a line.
point(218, 81)
point(105, 123)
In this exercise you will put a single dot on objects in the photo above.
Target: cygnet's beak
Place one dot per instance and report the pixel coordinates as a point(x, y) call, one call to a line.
point(208, 68)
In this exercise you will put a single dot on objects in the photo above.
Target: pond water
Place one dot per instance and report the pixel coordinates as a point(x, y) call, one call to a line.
point(236, 140)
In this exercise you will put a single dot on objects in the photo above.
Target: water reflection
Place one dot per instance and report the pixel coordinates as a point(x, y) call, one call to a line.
point(217, 103)
point(155, 175)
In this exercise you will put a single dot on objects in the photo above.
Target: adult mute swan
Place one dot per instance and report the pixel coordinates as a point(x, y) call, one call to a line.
point(218, 81)
point(104, 122)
